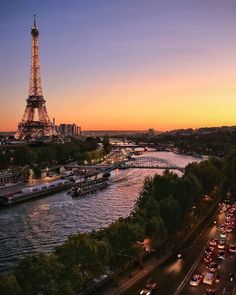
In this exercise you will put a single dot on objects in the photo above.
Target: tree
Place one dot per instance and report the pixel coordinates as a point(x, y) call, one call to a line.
point(39, 275)
point(207, 174)
point(84, 256)
point(191, 191)
point(156, 231)
point(106, 144)
point(229, 180)
point(122, 236)
point(170, 213)
point(9, 285)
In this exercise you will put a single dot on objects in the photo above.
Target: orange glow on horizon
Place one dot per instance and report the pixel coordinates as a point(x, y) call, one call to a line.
point(180, 100)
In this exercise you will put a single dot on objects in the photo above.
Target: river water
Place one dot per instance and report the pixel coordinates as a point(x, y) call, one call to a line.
point(39, 225)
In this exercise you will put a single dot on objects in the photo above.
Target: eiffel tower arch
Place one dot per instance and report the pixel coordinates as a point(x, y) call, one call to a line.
point(35, 122)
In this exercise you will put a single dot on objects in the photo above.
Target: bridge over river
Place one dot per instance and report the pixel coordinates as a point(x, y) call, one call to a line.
point(135, 162)
point(150, 163)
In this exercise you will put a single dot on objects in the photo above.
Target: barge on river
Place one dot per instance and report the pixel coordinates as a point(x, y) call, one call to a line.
point(88, 186)
point(35, 191)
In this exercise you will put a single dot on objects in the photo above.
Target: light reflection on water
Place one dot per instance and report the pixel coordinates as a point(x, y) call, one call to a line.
point(40, 225)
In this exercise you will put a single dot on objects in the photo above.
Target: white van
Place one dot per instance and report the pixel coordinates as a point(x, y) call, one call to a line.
point(208, 278)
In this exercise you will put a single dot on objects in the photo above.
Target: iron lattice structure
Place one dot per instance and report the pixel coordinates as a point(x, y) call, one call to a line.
point(32, 127)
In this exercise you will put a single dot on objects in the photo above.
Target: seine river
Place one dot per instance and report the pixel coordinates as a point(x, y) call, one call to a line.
point(40, 225)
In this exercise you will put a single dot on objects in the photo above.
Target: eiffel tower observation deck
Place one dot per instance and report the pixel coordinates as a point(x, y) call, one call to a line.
point(35, 122)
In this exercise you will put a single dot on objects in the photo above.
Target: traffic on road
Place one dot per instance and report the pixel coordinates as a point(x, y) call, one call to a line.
point(215, 271)
point(206, 267)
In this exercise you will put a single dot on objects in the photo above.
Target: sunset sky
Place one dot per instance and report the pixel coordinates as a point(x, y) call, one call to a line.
point(122, 64)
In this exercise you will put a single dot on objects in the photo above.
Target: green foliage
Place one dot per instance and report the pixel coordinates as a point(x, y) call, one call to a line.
point(106, 144)
point(85, 256)
point(9, 285)
point(39, 275)
point(51, 153)
point(192, 191)
point(229, 173)
point(216, 143)
point(207, 173)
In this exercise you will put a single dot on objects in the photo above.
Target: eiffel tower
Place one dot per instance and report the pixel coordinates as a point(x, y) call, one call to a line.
point(35, 122)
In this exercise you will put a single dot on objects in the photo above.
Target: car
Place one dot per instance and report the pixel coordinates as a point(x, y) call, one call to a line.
point(223, 229)
point(221, 245)
point(227, 218)
point(229, 229)
point(221, 255)
point(223, 235)
point(232, 248)
point(209, 278)
point(209, 250)
point(213, 242)
point(228, 222)
point(213, 266)
point(229, 214)
point(210, 292)
point(231, 277)
point(196, 280)
point(150, 287)
point(207, 258)
point(221, 226)
point(231, 210)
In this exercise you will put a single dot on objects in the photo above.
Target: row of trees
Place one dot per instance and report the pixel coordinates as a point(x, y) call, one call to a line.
point(164, 204)
point(39, 156)
point(48, 153)
point(218, 143)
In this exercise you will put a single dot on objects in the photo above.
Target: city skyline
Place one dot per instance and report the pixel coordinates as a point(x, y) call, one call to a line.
point(163, 66)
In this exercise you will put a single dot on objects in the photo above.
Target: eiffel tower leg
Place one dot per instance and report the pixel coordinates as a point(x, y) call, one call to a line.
point(28, 114)
point(43, 115)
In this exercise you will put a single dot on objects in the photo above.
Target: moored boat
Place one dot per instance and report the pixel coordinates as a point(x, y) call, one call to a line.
point(89, 186)
point(34, 191)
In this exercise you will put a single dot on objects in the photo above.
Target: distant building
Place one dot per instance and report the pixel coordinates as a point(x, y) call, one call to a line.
point(69, 130)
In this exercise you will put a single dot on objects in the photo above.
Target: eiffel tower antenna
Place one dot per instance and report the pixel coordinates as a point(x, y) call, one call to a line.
point(34, 21)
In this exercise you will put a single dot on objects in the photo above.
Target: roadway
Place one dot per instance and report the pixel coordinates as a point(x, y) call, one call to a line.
point(174, 275)
point(225, 267)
